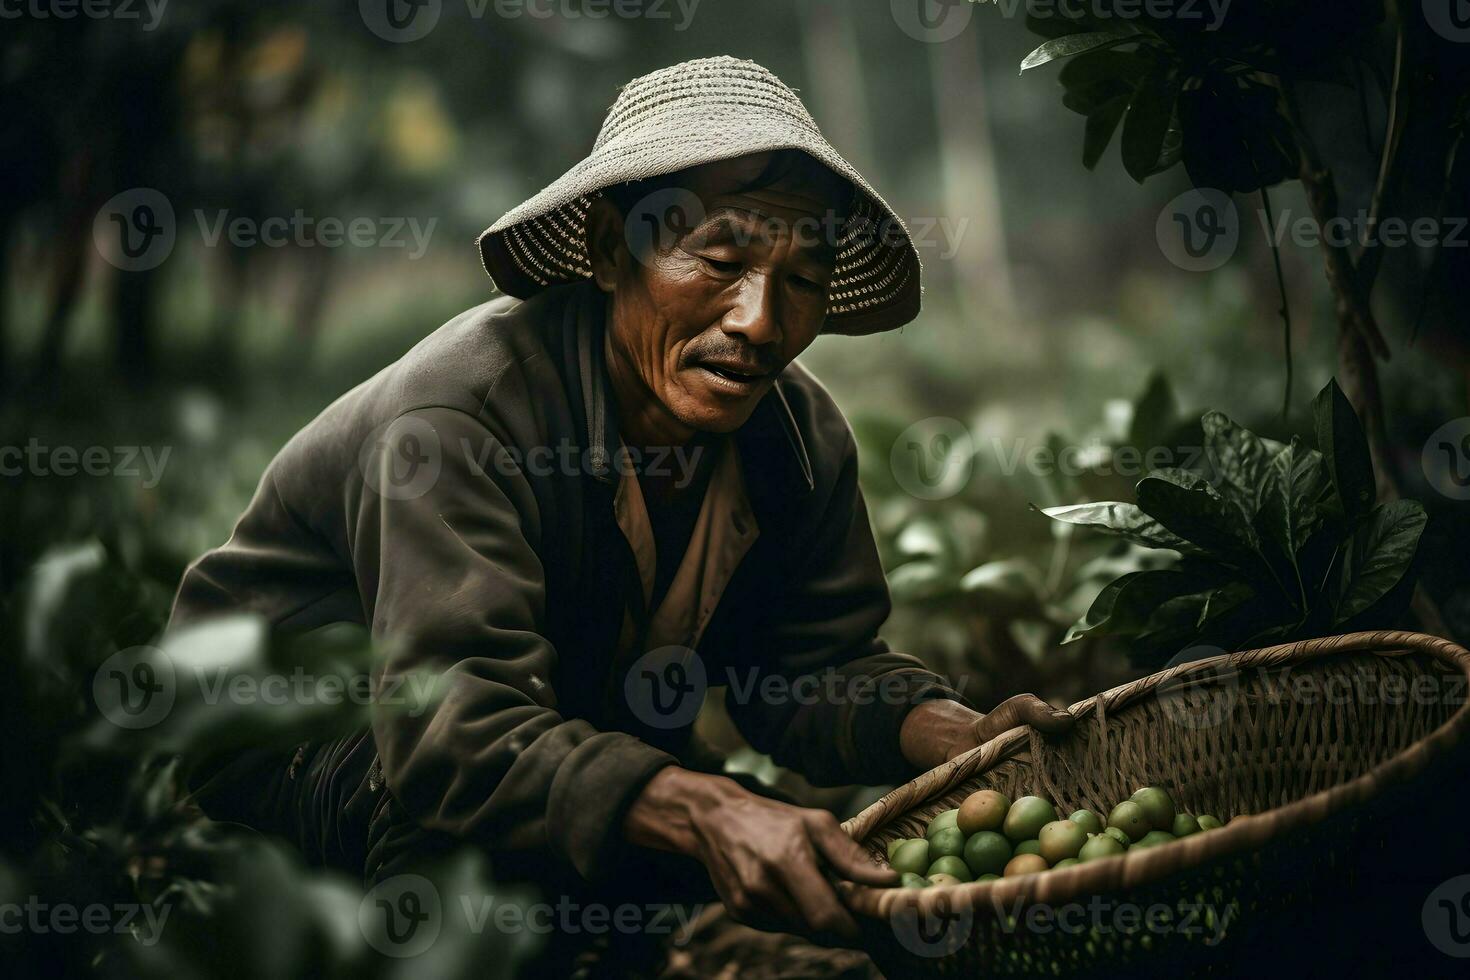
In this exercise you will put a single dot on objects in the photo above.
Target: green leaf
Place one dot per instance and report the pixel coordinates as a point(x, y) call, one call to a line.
point(1071, 45)
point(1150, 114)
point(1343, 444)
point(1122, 519)
point(916, 581)
point(1378, 556)
point(1291, 503)
point(1099, 130)
point(1240, 459)
point(1125, 605)
point(1185, 504)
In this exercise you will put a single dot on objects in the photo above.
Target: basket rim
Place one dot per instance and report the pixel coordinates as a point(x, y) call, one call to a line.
point(1136, 868)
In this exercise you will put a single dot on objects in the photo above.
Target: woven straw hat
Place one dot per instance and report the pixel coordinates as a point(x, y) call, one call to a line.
point(694, 113)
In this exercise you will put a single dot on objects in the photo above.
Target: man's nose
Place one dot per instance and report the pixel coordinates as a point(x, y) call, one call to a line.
point(754, 316)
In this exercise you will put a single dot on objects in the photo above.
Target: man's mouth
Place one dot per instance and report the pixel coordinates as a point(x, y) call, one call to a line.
point(735, 378)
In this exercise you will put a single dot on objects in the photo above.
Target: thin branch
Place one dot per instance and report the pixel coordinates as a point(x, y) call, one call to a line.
point(1285, 310)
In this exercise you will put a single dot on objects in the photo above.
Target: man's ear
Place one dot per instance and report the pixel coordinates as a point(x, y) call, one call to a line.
point(606, 247)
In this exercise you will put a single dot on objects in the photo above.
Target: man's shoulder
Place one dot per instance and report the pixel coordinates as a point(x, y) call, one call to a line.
point(814, 410)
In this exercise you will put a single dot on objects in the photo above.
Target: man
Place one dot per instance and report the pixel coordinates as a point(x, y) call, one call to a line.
point(568, 504)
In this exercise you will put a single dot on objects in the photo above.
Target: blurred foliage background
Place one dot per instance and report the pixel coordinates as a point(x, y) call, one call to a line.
point(1052, 318)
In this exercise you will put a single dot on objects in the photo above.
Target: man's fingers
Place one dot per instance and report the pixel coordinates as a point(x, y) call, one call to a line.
point(847, 858)
point(827, 920)
point(1023, 709)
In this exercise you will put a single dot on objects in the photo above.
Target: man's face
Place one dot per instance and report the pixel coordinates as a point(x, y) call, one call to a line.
point(710, 317)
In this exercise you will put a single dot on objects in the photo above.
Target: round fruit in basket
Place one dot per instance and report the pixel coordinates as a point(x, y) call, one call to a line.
point(1061, 839)
point(951, 866)
point(1027, 816)
point(1089, 821)
point(1158, 806)
point(911, 855)
point(944, 821)
point(1025, 864)
point(1184, 825)
point(948, 842)
point(1100, 846)
point(1156, 837)
point(1130, 818)
point(1208, 821)
point(987, 853)
point(910, 880)
point(983, 810)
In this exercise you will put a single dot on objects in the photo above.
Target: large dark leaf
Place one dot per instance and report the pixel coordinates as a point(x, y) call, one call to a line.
point(1150, 114)
point(1126, 604)
point(1240, 458)
point(1099, 130)
point(1296, 487)
point(1379, 555)
point(1185, 504)
point(1123, 519)
point(1155, 415)
point(1343, 444)
point(1095, 79)
point(1235, 139)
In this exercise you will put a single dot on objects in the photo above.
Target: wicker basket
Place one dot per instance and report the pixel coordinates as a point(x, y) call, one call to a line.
point(1345, 757)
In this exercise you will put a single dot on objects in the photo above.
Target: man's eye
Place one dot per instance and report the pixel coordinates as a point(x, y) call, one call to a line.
point(804, 283)
point(724, 268)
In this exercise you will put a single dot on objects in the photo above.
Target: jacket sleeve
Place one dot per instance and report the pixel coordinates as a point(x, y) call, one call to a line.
point(842, 694)
point(446, 561)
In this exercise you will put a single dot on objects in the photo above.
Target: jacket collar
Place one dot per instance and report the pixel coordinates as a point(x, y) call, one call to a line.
point(770, 441)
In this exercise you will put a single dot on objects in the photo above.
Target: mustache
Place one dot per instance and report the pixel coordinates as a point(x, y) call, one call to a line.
point(753, 359)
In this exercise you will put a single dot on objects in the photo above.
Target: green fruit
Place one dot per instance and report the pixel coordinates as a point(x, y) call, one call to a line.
point(910, 880)
point(944, 879)
point(1027, 816)
point(1130, 818)
point(1158, 806)
point(911, 856)
point(1155, 837)
point(952, 866)
point(987, 853)
point(948, 842)
point(893, 846)
point(1061, 839)
point(983, 810)
point(1184, 825)
point(1090, 822)
point(1032, 846)
point(1025, 864)
point(1208, 822)
point(1065, 863)
point(1099, 846)
point(942, 821)
point(1118, 835)
point(988, 878)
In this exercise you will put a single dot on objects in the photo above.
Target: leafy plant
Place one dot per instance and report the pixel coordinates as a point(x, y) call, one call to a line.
point(1277, 542)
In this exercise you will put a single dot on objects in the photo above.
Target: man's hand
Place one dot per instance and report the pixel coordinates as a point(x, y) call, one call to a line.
point(936, 731)
point(769, 862)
